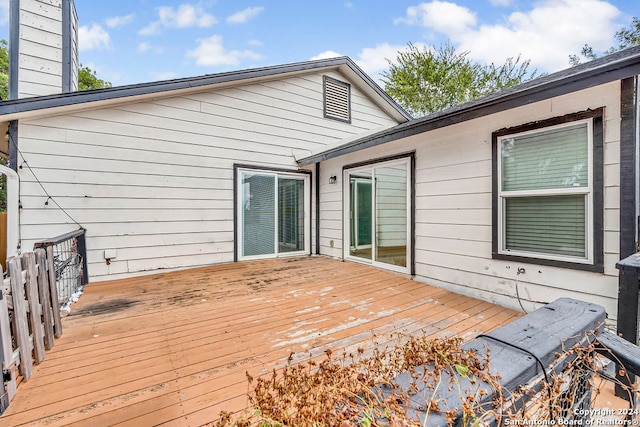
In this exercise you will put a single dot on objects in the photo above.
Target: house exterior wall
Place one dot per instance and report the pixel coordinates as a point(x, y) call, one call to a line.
point(39, 46)
point(453, 197)
point(154, 180)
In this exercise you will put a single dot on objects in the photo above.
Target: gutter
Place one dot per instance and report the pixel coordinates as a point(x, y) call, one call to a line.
point(613, 67)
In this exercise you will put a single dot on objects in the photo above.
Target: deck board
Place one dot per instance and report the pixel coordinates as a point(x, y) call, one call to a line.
point(173, 348)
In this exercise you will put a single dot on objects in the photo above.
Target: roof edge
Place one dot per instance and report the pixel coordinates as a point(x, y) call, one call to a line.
point(32, 104)
point(377, 89)
point(613, 67)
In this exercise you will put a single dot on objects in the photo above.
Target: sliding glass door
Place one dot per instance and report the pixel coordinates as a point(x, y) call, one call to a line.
point(361, 208)
point(273, 217)
point(377, 221)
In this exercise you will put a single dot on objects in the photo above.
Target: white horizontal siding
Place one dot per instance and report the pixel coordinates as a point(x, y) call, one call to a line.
point(44, 65)
point(453, 198)
point(28, 89)
point(154, 180)
point(37, 46)
point(37, 78)
point(40, 48)
point(148, 227)
point(37, 14)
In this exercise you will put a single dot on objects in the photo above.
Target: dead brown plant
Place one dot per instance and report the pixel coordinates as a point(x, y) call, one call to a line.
point(364, 390)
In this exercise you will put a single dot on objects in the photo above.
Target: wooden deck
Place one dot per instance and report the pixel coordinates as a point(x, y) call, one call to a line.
point(172, 349)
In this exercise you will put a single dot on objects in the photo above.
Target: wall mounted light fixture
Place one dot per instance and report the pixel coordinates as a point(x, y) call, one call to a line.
point(333, 179)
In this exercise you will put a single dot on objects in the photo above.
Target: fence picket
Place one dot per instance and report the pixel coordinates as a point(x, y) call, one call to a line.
point(53, 288)
point(21, 330)
point(45, 298)
point(6, 347)
point(35, 309)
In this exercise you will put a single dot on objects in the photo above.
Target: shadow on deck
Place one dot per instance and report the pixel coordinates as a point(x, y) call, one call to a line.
point(173, 348)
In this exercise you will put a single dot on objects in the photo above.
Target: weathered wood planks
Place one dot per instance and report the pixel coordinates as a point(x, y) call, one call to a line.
point(173, 348)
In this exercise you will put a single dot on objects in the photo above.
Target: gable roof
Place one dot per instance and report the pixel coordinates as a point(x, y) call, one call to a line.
point(617, 66)
point(34, 106)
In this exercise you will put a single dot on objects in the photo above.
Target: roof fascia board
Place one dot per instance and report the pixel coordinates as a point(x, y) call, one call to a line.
point(53, 108)
point(557, 84)
point(374, 91)
point(54, 104)
point(161, 88)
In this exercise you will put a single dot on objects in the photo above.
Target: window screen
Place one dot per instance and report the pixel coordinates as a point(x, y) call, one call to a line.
point(545, 191)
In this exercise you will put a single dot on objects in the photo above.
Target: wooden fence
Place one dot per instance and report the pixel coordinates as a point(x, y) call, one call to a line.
point(29, 317)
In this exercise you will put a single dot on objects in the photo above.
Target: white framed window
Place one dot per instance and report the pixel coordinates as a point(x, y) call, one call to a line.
point(546, 189)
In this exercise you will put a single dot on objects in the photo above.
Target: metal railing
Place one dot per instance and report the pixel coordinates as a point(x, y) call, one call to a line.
point(70, 262)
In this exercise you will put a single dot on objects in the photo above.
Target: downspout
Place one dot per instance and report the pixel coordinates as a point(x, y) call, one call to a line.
point(637, 163)
point(628, 277)
point(13, 246)
point(318, 208)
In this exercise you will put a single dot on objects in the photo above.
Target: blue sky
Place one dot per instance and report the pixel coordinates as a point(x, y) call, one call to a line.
point(132, 41)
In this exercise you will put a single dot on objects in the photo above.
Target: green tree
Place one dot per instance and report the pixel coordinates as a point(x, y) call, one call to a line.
point(88, 80)
point(624, 38)
point(425, 80)
point(4, 69)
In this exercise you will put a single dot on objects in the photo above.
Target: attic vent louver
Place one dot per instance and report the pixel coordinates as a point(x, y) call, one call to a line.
point(337, 100)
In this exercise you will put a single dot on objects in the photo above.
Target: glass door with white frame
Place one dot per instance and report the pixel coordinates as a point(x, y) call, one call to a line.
point(377, 214)
point(273, 217)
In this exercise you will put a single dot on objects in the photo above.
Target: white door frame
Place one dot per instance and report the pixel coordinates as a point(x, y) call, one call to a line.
point(240, 205)
point(347, 213)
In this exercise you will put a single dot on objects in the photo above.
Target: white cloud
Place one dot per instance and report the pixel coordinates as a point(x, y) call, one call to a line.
point(143, 47)
point(94, 37)
point(326, 55)
point(151, 29)
point(210, 51)
point(373, 60)
point(184, 16)
point(245, 15)
point(120, 21)
point(441, 16)
point(546, 34)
